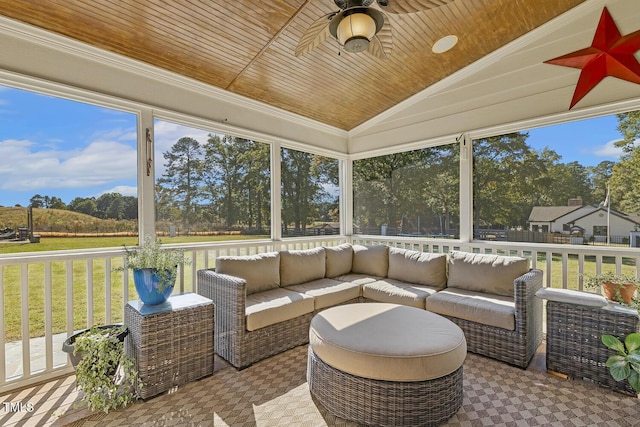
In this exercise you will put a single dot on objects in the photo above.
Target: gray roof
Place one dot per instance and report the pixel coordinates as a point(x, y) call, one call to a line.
point(550, 213)
point(630, 218)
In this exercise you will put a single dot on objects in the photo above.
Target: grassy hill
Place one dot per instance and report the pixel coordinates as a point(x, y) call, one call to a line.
point(62, 221)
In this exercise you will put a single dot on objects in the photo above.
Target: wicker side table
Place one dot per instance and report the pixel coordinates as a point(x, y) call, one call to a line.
point(574, 346)
point(171, 343)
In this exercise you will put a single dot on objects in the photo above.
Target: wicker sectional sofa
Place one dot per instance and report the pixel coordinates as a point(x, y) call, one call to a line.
point(264, 303)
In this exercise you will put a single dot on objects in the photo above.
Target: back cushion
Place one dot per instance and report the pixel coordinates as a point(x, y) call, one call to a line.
point(420, 268)
point(339, 260)
point(485, 273)
point(371, 260)
point(301, 266)
point(261, 272)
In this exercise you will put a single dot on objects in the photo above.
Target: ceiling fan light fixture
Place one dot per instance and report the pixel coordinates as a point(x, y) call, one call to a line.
point(444, 44)
point(355, 31)
point(354, 28)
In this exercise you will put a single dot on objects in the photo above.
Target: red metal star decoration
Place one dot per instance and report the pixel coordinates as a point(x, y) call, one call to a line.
point(610, 54)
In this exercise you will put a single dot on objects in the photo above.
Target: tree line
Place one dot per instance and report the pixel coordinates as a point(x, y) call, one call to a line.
point(107, 206)
point(226, 183)
point(418, 191)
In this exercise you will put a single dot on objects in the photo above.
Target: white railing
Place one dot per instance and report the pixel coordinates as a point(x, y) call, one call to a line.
point(46, 296)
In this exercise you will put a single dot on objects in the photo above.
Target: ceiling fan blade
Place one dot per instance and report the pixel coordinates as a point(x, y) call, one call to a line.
point(381, 44)
point(410, 6)
point(315, 34)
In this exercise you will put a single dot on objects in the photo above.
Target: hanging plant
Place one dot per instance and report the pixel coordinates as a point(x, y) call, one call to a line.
point(107, 377)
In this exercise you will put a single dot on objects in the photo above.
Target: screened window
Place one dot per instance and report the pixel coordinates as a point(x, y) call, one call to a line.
point(559, 175)
point(210, 186)
point(67, 174)
point(309, 194)
point(415, 193)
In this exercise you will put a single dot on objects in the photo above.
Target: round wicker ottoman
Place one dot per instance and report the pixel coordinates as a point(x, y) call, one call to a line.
point(386, 364)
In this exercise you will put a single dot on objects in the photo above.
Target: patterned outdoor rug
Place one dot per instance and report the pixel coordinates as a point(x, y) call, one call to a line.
point(274, 392)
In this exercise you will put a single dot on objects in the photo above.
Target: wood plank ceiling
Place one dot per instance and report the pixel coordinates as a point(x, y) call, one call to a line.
point(247, 46)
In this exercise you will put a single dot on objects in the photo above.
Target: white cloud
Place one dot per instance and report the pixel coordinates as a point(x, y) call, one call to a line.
point(109, 158)
point(129, 136)
point(26, 165)
point(609, 150)
point(114, 134)
point(167, 134)
point(125, 190)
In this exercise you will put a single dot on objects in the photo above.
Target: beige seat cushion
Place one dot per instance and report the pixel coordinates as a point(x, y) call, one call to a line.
point(488, 309)
point(301, 266)
point(397, 292)
point(275, 306)
point(261, 272)
point(370, 260)
point(387, 342)
point(484, 272)
point(328, 292)
point(338, 260)
point(359, 279)
point(416, 267)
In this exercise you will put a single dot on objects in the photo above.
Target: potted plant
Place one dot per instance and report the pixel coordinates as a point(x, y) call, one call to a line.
point(69, 345)
point(616, 287)
point(154, 269)
point(625, 365)
point(107, 378)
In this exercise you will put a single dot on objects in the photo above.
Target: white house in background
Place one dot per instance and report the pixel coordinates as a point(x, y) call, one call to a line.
point(587, 221)
point(595, 223)
point(558, 219)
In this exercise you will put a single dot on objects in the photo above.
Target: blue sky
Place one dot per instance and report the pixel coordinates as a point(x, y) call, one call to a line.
point(587, 141)
point(55, 147)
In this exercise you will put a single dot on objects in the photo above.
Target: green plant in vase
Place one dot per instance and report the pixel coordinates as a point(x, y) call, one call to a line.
point(616, 287)
point(154, 269)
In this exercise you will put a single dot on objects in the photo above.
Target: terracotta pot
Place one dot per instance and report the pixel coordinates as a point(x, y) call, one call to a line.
point(626, 291)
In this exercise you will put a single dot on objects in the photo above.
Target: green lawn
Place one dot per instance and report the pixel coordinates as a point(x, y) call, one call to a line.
point(36, 281)
point(74, 243)
point(36, 273)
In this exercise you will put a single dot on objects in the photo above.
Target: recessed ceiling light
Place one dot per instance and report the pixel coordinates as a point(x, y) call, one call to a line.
point(444, 44)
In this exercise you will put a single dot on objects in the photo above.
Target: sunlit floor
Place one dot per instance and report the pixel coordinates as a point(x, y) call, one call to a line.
point(274, 392)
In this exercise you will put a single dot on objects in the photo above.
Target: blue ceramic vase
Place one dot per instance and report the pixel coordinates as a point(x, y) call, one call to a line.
point(147, 281)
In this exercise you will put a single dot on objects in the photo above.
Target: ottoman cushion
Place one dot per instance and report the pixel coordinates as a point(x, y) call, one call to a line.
point(387, 342)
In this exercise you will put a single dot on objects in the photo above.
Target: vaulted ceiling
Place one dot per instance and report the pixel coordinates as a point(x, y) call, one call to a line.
point(247, 47)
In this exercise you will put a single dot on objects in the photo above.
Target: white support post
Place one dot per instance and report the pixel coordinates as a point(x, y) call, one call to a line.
point(146, 176)
point(276, 200)
point(346, 197)
point(466, 188)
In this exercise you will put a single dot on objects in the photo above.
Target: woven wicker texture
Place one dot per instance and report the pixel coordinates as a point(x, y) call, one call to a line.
point(172, 347)
point(515, 347)
point(243, 348)
point(574, 345)
point(233, 342)
point(384, 403)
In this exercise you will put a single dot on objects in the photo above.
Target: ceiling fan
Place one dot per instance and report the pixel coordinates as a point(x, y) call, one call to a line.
point(358, 27)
